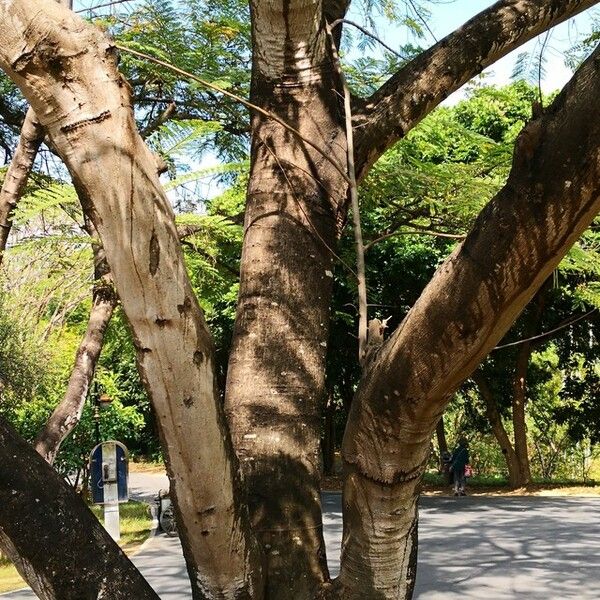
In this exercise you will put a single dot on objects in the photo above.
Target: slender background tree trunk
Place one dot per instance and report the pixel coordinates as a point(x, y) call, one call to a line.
point(67, 414)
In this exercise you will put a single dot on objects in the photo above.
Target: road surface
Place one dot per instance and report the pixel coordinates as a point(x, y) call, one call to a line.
point(473, 548)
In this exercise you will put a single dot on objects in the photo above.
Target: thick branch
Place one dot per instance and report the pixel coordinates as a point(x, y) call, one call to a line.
point(552, 195)
point(426, 81)
point(32, 136)
point(56, 543)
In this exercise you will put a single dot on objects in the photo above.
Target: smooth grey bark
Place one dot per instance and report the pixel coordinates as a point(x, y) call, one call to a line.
point(58, 546)
point(517, 240)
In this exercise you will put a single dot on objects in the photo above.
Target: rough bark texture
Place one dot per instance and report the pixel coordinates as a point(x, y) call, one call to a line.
point(498, 429)
point(67, 414)
point(517, 240)
point(275, 386)
point(32, 136)
point(67, 71)
point(432, 76)
point(48, 532)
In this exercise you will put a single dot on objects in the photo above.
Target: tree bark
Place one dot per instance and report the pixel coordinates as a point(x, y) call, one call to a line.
point(519, 401)
point(515, 478)
point(329, 437)
point(440, 433)
point(67, 414)
point(53, 539)
point(416, 89)
point(476, 294)
point(67, 71)
point(32, 136)
point(295, 208)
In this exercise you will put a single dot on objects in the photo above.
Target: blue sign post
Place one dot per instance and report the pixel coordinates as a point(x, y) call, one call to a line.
point(109, 472)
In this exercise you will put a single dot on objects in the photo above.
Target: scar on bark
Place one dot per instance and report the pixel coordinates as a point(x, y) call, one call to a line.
point(185, 307)
point(106, 114)
point(154, 254)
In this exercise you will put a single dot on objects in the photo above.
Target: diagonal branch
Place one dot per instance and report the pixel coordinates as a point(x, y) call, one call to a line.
point(67, 414)
point(417, 88)
point(32, 136)
point(53, 516)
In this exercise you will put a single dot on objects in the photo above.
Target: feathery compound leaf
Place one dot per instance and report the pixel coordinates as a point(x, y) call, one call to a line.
point(175, 137)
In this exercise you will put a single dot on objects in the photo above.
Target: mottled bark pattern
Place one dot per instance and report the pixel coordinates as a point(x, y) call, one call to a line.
point(57, 545)
point(275, 386)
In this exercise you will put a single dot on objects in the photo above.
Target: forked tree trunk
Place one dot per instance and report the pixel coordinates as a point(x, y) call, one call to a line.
point(515, 476)
point(67, 414)
point(87, 563)
point(67, 71)
point(473, 298)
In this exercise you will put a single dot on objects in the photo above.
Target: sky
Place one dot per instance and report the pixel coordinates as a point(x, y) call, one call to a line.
point(448, 15)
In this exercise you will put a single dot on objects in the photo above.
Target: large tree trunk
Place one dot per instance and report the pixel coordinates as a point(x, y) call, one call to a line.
point(32, 136)
point(53, 539)
point(516, 242)
point(67, 71)
point(515, 478)
point(275, 386)
point(67, 414)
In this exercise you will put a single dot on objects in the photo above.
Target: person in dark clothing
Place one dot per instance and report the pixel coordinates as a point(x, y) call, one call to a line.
point(458, 462)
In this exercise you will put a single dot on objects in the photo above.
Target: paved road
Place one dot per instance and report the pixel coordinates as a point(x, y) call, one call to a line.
point(474, 548)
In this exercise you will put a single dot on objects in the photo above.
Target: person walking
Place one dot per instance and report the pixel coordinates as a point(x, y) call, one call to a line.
point(458, 462)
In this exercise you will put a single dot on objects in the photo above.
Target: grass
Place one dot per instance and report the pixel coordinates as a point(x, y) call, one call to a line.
point(135, 528)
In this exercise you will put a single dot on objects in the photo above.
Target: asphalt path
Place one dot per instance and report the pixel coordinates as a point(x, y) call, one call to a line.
point(476, 548)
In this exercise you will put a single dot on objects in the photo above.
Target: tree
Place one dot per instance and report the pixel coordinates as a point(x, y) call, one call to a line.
point(272, 545)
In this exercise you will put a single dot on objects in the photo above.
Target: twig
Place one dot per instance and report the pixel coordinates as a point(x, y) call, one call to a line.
point(368, 33)
point(385, 236)
point(106, 5)
point(567, 323)
point(241, 100)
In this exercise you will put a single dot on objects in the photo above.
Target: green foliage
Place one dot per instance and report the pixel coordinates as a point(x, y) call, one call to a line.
point(216, 49)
